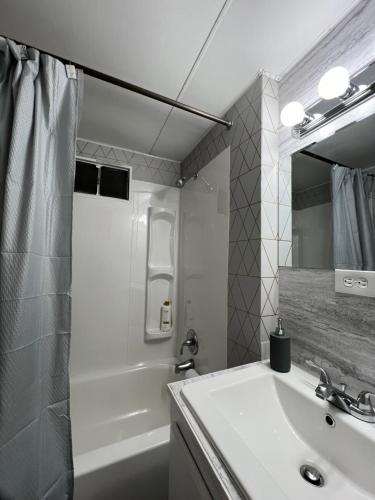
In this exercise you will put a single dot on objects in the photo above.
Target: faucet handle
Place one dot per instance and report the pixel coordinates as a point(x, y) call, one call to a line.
point(324, 375)
point(191, 342)
point(364, 401)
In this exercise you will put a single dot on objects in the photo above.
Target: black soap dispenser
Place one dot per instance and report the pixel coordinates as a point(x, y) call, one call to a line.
point(280, 349)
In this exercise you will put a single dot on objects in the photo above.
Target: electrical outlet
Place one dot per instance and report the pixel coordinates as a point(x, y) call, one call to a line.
point(355, 282)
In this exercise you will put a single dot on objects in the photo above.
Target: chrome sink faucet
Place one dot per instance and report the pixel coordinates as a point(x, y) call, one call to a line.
point(361, 408)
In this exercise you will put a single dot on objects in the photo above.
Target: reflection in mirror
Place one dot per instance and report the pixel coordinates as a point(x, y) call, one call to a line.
point(333, 201)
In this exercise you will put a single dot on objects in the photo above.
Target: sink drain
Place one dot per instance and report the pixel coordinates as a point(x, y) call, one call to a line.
point(312, 475)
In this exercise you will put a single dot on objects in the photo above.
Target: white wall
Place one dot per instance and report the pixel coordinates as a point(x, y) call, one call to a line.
point(108, 284)
point(312, 237)
point(203, 274)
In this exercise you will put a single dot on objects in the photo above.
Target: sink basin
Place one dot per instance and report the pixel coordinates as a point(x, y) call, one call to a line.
point(265, 426)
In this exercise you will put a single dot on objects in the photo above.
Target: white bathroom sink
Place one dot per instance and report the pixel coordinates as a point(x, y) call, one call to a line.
point(265, 426)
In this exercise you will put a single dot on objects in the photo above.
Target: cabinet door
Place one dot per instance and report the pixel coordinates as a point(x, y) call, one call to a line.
point(185, 479)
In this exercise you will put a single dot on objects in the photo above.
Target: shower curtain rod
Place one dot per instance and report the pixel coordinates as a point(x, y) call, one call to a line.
point(327, 160)
point(134, 88)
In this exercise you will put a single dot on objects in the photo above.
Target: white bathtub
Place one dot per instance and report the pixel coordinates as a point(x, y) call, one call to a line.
point(120, 426)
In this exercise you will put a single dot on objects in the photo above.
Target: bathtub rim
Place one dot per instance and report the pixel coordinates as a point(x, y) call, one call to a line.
point(101, 374)
point(91, 461)
point(111, 453)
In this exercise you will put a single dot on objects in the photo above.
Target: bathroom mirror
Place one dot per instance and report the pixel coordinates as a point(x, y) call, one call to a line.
point(333, 200)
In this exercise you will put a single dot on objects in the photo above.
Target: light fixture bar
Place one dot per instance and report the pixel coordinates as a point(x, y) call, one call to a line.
point(333, 113)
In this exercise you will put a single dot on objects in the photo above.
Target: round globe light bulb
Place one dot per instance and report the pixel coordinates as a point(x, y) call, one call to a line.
point(292, 114)
point(334, 83)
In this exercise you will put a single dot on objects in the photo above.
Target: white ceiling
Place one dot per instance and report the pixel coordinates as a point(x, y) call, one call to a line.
point(204, 53)
point(308, 172)
point(352, 146)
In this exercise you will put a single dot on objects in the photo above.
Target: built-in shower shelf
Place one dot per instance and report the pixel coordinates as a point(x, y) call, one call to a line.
point(161, 270)
point(168, 272)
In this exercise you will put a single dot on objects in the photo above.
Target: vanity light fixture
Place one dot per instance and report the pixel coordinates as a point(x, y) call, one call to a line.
point(293, 115)
point(335, 83)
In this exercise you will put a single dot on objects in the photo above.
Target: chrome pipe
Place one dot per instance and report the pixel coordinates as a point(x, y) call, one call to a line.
point(134, 88)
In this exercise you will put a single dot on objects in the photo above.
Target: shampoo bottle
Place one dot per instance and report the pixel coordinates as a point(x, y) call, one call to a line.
point(166, 316)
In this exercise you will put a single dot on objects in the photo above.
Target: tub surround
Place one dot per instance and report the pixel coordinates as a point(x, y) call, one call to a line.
point(334, 330)
point(203, 270)
point(109, 280)
point(144, 167)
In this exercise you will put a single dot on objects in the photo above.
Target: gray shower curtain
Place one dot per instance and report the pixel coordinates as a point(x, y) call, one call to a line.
point(38, 123)
point(353, 227)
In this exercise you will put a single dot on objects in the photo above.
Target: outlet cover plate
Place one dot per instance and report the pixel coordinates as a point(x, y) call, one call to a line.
point(355, 282)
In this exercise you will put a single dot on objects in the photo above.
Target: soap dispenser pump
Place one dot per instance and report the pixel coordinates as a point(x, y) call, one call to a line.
point(280, 349)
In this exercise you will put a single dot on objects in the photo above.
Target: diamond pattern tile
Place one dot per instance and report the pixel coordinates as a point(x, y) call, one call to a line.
point(269, 301)
point(285, 188)
point(269, 262)
point(267, 326)
point(285, 253)
point(269, 220)
point(270, 113)
point(270, 148)
point(271, 88)
point(251, 185)
point(312, 197)
point(270, 184)
point(285, 222)
point(144, 167)
point(254, 224)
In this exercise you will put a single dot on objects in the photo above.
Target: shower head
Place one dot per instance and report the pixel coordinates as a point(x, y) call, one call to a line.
point(180, 182)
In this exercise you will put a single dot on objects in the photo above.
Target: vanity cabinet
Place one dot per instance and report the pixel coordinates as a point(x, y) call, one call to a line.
point(191, 474)
point(185, 480)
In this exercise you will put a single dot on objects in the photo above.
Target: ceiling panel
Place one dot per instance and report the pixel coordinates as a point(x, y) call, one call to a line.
point(150, 43)
point(270, 34)
point(180, 134)
point(351, 146)
point(117, 117)
point(308, 172)
point(156, 43)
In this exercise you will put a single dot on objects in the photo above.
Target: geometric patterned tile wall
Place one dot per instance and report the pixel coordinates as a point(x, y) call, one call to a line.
point(269, 213)
point(144, 167)
point(312, 196)
point(252, 265)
